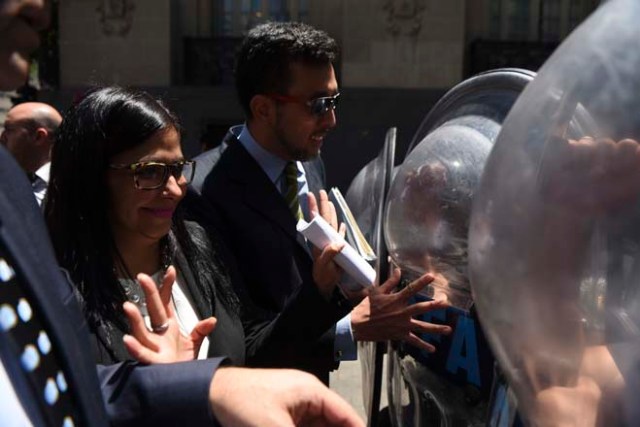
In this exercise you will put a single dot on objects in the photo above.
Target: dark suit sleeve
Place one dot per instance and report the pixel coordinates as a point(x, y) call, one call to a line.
point(158, 395)
point(302, 334)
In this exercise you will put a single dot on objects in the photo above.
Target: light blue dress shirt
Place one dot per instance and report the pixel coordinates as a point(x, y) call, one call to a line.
point(344, 345)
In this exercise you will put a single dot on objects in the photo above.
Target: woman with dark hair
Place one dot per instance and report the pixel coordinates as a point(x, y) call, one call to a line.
point(113, 210)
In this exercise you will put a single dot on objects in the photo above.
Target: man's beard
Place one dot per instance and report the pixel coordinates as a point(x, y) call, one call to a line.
point(293, 152)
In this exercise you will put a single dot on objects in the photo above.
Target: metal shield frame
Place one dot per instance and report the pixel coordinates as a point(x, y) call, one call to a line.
point(489, 95)
point(359, 199)
point(484, 87)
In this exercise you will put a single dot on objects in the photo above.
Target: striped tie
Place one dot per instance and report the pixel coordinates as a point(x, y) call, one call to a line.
point(291, 195)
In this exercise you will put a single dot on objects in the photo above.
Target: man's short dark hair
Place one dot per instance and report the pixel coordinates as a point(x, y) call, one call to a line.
point(262, 63)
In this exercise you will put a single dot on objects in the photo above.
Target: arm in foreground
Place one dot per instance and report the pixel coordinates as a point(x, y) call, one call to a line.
point(274, 398)
point(200, 392)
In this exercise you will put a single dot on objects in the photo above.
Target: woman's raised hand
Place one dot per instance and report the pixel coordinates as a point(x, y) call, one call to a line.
point(164, 343)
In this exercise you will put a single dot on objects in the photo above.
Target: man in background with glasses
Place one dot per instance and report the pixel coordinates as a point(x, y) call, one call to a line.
point(254, 190)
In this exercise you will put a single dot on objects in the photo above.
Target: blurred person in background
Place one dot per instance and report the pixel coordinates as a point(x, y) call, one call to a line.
point(29, 131)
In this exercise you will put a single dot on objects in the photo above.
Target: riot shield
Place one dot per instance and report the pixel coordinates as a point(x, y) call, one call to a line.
point(366, 196)
point(487, 95)
point(426, 223)
point(555, 231)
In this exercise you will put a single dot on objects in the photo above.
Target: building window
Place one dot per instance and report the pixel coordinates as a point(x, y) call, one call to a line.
point(209, 40)
point(551, 20)
point(235, 18)
point(579, 10)
point(509, 20)
point(495, 19)
point(518, 19)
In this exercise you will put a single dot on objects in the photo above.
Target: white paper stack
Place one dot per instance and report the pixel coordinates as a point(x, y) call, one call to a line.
point(354, 234)
point(321, 234)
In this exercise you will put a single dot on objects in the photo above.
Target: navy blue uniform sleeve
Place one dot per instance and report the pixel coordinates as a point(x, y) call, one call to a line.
point(159, 395)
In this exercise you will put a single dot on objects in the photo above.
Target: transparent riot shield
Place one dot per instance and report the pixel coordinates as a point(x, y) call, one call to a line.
point(426, 224)
point(555, 231)
point(366, 197)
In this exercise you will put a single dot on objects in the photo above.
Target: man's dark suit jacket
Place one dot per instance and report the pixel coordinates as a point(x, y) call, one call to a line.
point(123, 394)
point(274, 263)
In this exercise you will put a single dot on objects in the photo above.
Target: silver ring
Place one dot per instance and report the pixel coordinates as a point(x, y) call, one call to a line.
point(160, 328)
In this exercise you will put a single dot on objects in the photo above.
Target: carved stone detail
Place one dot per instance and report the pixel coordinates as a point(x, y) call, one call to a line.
point(404, 17)
point(116, 16)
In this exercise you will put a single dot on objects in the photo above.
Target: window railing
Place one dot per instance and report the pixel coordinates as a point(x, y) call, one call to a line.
point(208, 61)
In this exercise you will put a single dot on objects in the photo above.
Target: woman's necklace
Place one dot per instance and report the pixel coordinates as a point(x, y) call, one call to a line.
point(131, 287)
point(134, 293)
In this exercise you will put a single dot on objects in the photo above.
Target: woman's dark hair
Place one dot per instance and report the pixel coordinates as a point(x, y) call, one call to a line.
point(106, 122)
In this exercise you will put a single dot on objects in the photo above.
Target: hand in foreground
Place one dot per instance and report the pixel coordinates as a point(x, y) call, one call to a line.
point(384, 314)
point(326, 273)
point(609, 169)
point(275, 398)
point(166, 344)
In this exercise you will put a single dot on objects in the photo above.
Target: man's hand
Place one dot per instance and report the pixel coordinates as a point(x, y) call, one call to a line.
point(276, 398)
point(167, 344)
point(609, 169)
point(385, 315)
point(326, 273)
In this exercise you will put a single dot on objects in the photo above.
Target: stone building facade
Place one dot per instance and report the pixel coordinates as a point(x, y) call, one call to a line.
point(398, 56)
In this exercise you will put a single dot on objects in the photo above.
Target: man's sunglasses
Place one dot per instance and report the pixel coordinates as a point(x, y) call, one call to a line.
point(153, 175)
point(317, 106)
